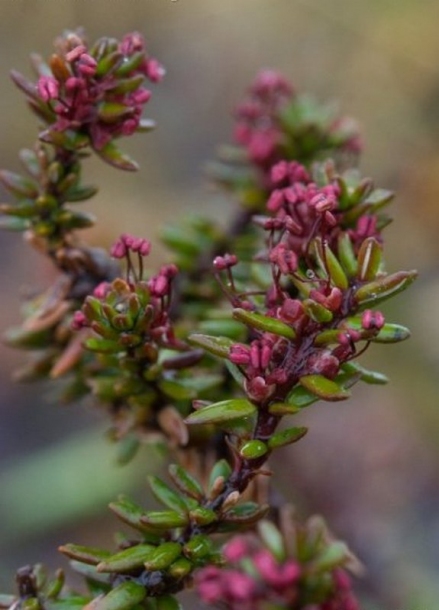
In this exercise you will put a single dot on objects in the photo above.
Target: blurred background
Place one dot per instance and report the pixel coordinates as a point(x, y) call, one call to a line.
point(371, 466)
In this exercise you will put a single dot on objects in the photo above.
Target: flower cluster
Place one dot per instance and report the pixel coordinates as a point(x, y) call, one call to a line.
point(262, 574)
point(302, 209)
point(275, 123)
point(97, 93)
point(258, 128)
point(304, 271)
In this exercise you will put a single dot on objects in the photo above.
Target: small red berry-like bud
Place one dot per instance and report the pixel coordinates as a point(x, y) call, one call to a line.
point(101, 290)
point(322, 202)
point(275, 201)
point(118, 249)
point(279, 172)
point(79, 320)
point(239, 354)
point(221, 263)
point(372, 320)
point(154, 70)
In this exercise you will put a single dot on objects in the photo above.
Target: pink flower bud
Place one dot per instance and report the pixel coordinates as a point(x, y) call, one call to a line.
point(48, 88)
point(372, 320)
point(279, 172)
point(79, 320)
point(239, 354)
point(100, 292)
point(155, 71)
point(225, 262)
point(236, 549)
point(76, 53)
point(118, 249)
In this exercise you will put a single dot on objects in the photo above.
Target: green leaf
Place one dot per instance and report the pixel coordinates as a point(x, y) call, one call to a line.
point(18, 185)
point(369, 259)
point(180, 568)
point(129, 512)
point(83, 553)
point(324, 388)
point(111, 154)
point(203, 516)
point(80, 193)
point(389, 333)
point(346, 255)
point(253, 449)
point(123, 597)
point(127, 448)
point(286, 437)
point(104, 346)
point(229, 327)
point(224, 411)
point(166, 495)
point(12, 223)
point(110, 112)
point(330, 265)
point(264, 323)
point(73, 602)
point(372, 377)
point(165, 519)
point(375, 292)
point(186, 482)
point(272, 539)
point(176, 390)
point(218, 346)
point(300, 397)
point(25, 208)
point(317, 312)
point(245, 514)
point(222, 469)
point(168, 602)
point(163, 556)
point(197, 547)
point(334, 555)
point(283, 408)
point(27, 339)
point(378, 198)
point(126, 560)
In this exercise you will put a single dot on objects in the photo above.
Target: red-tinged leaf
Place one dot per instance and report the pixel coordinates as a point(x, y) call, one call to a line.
point(369, 259)
point(218, 346)
point(85, 554)
point(324, 388)
point(224, 411)
point(264, 323)
point(18, 185)
point(110, 112)
point(111, 154)
point(375, 292)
